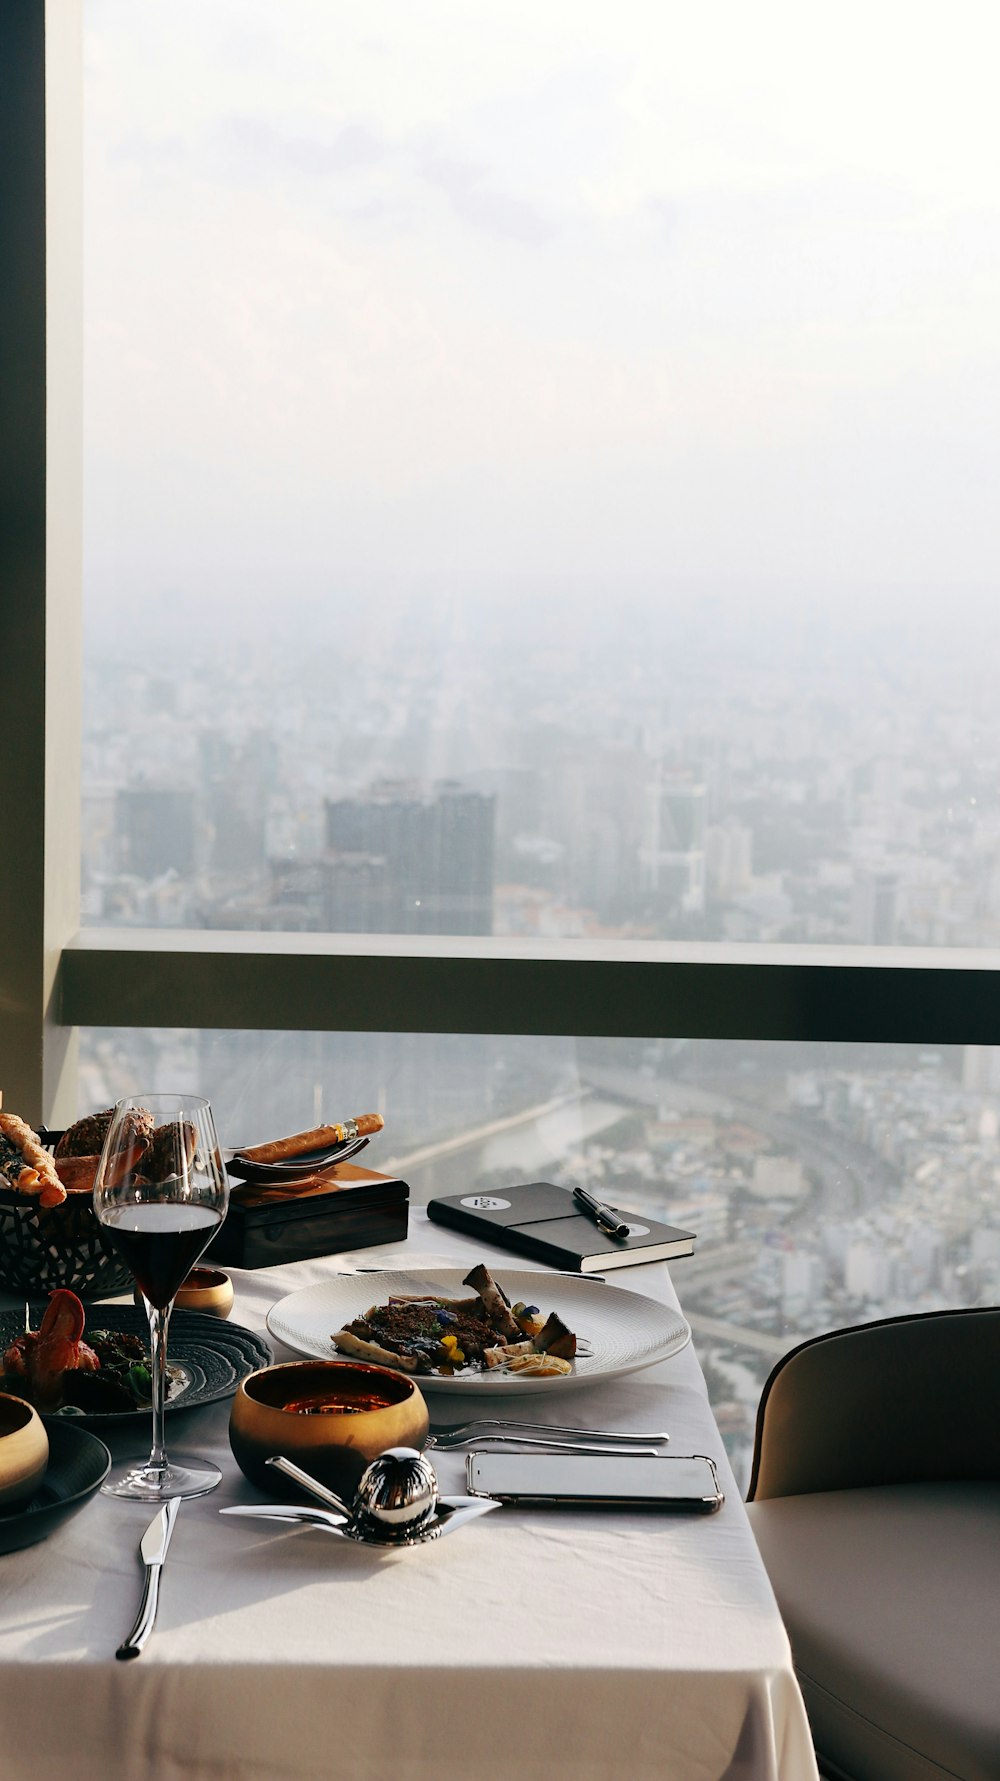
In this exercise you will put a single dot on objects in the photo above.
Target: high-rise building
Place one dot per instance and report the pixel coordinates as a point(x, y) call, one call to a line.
point(429, 855)
point(155, 828)
point(672, 858)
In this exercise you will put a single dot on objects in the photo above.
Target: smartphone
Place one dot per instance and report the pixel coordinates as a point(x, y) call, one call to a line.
point(597, 1479)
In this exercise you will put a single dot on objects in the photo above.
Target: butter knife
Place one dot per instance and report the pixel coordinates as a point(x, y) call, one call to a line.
point(152, 1551)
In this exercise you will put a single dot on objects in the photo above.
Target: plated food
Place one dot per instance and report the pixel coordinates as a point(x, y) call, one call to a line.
point(208, 1358)
point(53, 1367)
point(619, 1330)
point(427, 1333)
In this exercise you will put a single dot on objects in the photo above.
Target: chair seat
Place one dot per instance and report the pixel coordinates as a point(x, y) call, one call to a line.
point(891, 1597)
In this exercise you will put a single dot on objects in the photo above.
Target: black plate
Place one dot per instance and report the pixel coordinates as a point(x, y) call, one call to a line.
point(78, 1465)
point(213, 1356)
point(260, 1173)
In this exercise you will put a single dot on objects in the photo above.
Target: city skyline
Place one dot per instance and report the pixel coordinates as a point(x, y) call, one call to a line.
point(709, 787)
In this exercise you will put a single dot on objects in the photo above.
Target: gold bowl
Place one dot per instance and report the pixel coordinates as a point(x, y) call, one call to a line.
point(24, 1451)
point(208, 1290)
point(375, 1409)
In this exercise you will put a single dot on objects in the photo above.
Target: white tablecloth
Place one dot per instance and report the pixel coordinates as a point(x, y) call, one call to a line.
point(534, 1645)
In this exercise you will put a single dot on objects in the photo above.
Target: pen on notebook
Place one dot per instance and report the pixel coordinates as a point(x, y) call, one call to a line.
point(605, 1217)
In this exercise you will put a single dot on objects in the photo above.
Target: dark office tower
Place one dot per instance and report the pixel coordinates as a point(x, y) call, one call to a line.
point(457, 895)
point(156, 831)
point(435, 853)
point(358, 895)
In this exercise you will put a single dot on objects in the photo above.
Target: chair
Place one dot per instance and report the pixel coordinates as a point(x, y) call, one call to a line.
point(875, 1500)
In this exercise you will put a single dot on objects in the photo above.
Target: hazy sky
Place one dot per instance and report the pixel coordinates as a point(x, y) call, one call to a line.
point(543, 290)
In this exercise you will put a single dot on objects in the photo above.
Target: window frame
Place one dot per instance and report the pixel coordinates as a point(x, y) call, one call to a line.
point(55, 977)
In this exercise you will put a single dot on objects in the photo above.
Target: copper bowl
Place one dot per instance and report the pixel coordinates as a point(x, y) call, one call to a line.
point(336, 1445)
point(24, 1451)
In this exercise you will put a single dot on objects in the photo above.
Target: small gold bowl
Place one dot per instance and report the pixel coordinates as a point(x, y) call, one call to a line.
point(208, 1290)
point(377, 1408)
point(24, 1451)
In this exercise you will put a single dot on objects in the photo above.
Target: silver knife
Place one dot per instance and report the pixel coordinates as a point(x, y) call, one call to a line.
point(152, 1551)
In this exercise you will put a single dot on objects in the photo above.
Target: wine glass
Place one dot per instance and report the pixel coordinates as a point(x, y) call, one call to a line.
point(161, 1193)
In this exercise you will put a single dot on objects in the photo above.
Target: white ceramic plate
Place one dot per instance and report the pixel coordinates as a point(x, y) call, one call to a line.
point(622, 1330)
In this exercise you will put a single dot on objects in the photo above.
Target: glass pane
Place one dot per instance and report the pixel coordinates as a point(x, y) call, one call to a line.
point(540, 469)
point(827, 1185)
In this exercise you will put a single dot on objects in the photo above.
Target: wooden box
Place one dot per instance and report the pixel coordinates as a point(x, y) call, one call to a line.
point(352, 1208)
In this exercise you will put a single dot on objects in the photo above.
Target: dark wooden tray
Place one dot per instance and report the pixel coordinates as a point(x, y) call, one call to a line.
point(352, 1208)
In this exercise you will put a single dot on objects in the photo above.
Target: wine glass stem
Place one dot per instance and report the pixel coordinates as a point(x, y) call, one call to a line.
point(158, 1321)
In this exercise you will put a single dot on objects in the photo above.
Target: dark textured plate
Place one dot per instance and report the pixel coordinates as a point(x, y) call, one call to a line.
point(210, 1357)
point(78, 1465)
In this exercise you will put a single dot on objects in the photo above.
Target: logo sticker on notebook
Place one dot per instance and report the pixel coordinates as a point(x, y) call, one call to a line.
point(485, 1203)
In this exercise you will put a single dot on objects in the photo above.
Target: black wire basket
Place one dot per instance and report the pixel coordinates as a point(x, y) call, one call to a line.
point(45, 1248)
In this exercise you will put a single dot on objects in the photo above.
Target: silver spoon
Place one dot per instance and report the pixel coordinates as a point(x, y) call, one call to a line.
point(310, 1484)
point(396, 1496)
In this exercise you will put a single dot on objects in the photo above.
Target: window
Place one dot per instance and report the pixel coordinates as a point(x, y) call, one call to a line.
point(651, 993)
point(539, 471)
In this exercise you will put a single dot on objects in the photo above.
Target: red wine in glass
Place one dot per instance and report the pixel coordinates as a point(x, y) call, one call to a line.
point(161, 1193)
point(160, 1244)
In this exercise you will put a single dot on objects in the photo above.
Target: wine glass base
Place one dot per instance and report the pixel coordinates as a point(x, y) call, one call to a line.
point(184, 1475)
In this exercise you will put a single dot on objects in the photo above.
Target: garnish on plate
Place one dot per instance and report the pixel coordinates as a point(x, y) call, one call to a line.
point(426, 1334)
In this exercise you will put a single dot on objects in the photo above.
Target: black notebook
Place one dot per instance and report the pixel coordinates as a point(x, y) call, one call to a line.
point(544, 1221)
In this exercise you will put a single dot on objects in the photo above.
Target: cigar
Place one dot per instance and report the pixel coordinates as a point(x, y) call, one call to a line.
point(323, 1137)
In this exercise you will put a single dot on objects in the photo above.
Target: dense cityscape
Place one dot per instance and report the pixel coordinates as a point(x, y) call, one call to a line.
point(453, 785)
point(629, 777)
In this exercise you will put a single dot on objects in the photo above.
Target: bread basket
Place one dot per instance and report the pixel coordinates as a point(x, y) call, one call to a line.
point(64, 1245)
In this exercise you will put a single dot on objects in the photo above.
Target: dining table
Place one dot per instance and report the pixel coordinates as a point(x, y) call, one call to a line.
point(536, 1644)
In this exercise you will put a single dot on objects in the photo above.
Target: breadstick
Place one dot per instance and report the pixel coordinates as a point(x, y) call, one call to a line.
point(323, 1137)
point(37, 1175)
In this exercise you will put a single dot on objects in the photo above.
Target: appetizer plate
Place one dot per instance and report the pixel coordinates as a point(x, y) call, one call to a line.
point(78, 1465)
point(205, 1357)
point(623, 1330)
